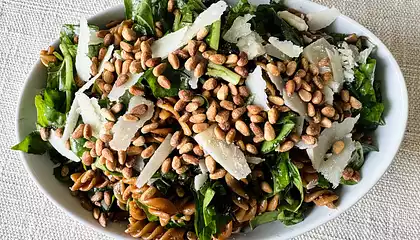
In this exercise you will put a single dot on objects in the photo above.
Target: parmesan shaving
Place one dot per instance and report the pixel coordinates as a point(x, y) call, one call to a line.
point(275, 52)
point(117, 92)
point(229, 156)
point(337, 70)
point(251, 44)
point(293, 20)
point(161, 153)
point(206, 18)
point(240, 28)
point(168, 43)
point(286, 47)
point(83, 62)
point(90, 112)
point(322, 19)
point(71, 120)
point(124, 130)
point(60, 146)
point(256, 85)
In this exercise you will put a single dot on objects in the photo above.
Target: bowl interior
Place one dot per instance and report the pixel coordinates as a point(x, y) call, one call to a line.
point(388, 137)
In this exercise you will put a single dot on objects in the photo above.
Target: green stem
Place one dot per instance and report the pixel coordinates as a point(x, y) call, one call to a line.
point(69, 75)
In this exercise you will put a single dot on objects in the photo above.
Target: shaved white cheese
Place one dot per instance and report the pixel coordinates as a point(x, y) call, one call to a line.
point(200, 180)
point(161, 153)
point(328, 137)
point(348, 60)
point(229, 156)
point(363, 55)
point(277, 81)
point(169, 43)
point(83, 62)
point(275, 52)
point(117, 92)
point(124, 130)
point(317, 50)
point(328, 95)
point(322, 19)
point(302, 145)
point(251, 44)
point(333, 167)
point(286, 47)
point(337, 70)
point(93, 38)
point(312, 184)
point(90, 112)
point(256, 85)
point(71, 120)
point(193, 82)
point(206, 18)
point(295, 103)
point(100, 70)
point(202, 166)
point(60, 146)
point(293, 20)
point(240, 28)
point(254, 160)
point(300, 121)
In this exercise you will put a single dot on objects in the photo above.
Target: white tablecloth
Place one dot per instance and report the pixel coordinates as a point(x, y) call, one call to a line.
point(390, 211)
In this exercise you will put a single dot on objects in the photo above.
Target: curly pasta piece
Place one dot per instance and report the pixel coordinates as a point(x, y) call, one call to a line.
point(322, 198)
point(87, 180)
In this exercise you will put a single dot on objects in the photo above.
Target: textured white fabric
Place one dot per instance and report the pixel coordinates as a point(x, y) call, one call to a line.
point(390, 211)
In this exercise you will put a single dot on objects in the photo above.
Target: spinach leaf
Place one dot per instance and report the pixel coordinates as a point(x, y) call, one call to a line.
point(32, 144)
point(269, 146)
point(296, 180)
point(267, 24)
point(289, 217)
point(56, 76)
point(263, 219)
point(280, 173)
point(209, 218)
point(347, 182)
point(55, 99)
point(142, 14)
point(367, 148)
point(189, 10)
point(77, 146)
point(47, 116)
point(367, 91)
point(179, 80)
point(161, 14)
point(323, 182)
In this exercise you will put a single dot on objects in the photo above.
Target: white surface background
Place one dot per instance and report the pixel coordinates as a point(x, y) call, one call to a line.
point(390, 211)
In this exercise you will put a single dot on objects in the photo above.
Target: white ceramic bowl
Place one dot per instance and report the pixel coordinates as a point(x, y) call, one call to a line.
point(388, 137)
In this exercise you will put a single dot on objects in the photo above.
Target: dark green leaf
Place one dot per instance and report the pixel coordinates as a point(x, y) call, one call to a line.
point(189, 10)
point(322, 182)
point(269, 146)
point(56, 76)
point(77, 146)
point(267, 24)
point(47, 116)
point(369, 148)
point(32, 144)
point(288, 217)
point(263, 219)
point(297, 182)
point(347, 182)
point(142, 14)
point(280, 173)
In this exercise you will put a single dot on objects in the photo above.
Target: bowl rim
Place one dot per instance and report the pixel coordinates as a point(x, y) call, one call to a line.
point(304, 228)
